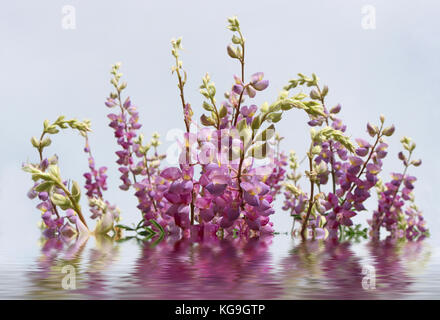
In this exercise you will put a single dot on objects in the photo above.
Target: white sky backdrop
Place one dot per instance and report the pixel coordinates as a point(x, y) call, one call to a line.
point(48, 71)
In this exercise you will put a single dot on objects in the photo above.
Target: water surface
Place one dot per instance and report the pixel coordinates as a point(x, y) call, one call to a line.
point(267, 268)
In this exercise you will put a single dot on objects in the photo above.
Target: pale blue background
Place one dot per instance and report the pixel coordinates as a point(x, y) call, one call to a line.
point(47, 71)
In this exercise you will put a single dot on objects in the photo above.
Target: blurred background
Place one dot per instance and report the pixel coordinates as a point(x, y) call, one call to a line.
point(48, 71)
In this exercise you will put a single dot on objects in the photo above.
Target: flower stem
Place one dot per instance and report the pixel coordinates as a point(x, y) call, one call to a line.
point(311, 201)
point(379, 135)
point(75, 205)
point(187, 125)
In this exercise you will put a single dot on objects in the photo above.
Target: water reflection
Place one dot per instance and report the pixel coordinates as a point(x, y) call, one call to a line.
point(213, 269)
point(226, 269)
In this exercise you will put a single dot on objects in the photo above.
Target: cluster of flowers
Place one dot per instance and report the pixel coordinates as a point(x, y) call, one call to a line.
point(58, 197)
point(393, 213)
point(230, 167)
point(353, 171)
point(138, 169)
point(218, 183)
point(54, 192)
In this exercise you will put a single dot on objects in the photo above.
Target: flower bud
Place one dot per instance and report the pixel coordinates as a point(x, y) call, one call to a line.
point(389, 131)
point(416, 163)
point(371, 131)
point(314, 94)
point(324, 91)
point(35, 142)
point(231, 52)
point(401, 156)
point(335, 109)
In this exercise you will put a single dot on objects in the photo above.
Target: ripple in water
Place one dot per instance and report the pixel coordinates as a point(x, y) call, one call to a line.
point(223, 269)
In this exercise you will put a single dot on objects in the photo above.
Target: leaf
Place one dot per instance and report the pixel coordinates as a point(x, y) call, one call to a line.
point(206, 121)
point(44, 187)
point(223, 112)
point(123, 226)
point(54, 171)
point(207, 106)
point(256, 123)
point(275, 117)
point(61, 201)
point(157, 225)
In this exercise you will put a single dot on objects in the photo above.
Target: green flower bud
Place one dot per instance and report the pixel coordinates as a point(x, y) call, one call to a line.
point(389, 131)
point(232, 52)
point(35, 142)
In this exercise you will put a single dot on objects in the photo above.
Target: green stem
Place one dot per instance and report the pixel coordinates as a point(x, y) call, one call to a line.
point(311, 201)
point(74, 203)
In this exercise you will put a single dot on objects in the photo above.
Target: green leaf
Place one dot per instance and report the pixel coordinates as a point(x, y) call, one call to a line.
point(122, 226)
point(44, 187)
point(223, 111)
point(256, 123)
point(207, 121)
point(207, 106)
point(161, 230)
point(275, 117)
point(61, 201)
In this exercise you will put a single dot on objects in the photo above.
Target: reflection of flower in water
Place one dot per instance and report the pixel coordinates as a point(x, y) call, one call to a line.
point(323, 270)
point(240, 268)
point(101, 257)
point(332, 270)
point(395, 260)
point(210, 269)
point(58, 252)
